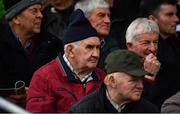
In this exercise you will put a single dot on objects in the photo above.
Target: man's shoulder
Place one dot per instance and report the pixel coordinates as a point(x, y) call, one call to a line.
point(140, 106)
point(49, 69)
point(86, 104)
point(174, 98)
point(148, 106)
point(172, 104)
point(100, 73)
point(5, 30)
point(110, 44)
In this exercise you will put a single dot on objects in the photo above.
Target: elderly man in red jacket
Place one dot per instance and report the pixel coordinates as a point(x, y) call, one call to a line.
point(58, 85)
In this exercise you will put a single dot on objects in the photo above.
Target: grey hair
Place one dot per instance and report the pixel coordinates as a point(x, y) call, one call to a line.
point(87, 6)
point(116, 75)
point(74, 44)
point(140, 26)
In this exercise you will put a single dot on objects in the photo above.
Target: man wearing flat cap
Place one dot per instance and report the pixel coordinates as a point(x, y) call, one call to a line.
point(59, 84)
point(22, 50)
point(121, 90)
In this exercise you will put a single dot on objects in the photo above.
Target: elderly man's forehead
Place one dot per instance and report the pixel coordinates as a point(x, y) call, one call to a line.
point(146, 35)
point(100, 10)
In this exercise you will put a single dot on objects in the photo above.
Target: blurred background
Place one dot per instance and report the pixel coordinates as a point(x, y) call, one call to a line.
point(1, 8)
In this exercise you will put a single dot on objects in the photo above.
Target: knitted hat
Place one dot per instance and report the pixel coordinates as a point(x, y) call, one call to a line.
point(79, 28)
point(14, 7)
point(125, 61)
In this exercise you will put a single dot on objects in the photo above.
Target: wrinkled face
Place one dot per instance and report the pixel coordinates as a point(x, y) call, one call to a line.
point(30, 19)
point(167, 19)
point(145, 44)
point(86, 54)
point(129, 88)
point(100, 20)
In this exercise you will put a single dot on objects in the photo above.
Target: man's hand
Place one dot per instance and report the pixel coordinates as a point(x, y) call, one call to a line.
point(151, 65)
point(18, 99)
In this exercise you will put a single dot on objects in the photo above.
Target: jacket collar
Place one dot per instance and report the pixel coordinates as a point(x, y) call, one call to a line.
point(105, 105)
point(9, 37)
point(71, 75)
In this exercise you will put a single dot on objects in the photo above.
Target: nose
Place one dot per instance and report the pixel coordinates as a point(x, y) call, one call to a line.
point(176, 18)
point(39, 14)
point(96, 53)
point(139, 84)
point(107, 19)
point(153, 47)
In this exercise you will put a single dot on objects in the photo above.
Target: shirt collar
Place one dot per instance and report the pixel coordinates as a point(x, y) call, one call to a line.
point(115, 105)
point(26, 45)
point(17, 38)
point(86, 78)
point(102, 42)
point(68, 63)
point(53, 10)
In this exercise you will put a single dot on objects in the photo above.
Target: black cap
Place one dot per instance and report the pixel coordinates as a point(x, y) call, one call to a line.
point(14, 7)
point(79, 28)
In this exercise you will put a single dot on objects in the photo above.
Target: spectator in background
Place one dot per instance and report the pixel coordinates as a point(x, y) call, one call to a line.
point(142, 38)
point(178, 15)
point(123, 12)
point(22, 50)
point(1, 8)
point(55, 18)
point(110, 3)
point(121, 90)
point(98, 13)
point(172, 104)
point(163, 12)
point(58, 85)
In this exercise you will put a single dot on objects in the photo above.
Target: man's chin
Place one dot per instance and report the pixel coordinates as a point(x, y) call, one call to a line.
point(37, 30)
point(93, 66)
point(104, 33)
point(137, 97)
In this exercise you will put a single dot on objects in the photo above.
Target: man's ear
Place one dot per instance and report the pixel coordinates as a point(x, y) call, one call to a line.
point(129, 46)
point(151, 17)
point(16, 20)
point(70, 50)
point(112, 81)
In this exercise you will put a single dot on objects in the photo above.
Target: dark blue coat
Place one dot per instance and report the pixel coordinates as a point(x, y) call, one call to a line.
point(97, 102)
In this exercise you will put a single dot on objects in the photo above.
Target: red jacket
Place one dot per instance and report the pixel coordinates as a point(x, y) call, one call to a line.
point(54, 88)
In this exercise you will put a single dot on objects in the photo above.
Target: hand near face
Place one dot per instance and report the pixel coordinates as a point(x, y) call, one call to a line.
point(152, 65)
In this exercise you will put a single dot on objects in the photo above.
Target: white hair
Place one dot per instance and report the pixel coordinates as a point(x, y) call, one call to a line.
point(87, 6)
point(74, 44)
point(140, 26)
point(117, 76)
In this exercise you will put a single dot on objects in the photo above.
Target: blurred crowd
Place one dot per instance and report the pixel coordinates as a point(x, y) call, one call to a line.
point(91, 56)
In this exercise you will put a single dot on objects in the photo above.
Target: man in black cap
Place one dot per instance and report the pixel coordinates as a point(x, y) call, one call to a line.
point(98, 14)
point(58, 85)
point(22, 50)
point(121, 90)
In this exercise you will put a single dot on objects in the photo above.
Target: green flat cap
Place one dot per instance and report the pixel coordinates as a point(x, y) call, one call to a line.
point(125, 61)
